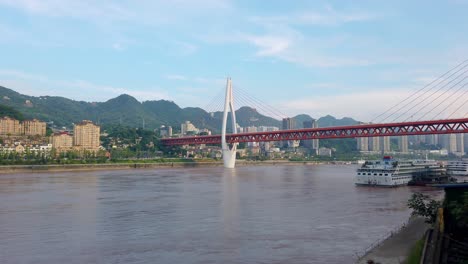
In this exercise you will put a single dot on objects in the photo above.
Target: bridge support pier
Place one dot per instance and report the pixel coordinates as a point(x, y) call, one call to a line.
point(229, 153)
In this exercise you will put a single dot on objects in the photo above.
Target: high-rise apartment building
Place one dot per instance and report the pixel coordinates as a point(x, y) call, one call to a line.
point(385, 144)
point(14, 127)
point(374, 144)
point(454, 143)
point(403, 144)
point(460, 144)
point(362, 143)
point(312, 143)
point(465, 142)
point(86, 136)
point(34, 127)
point(288, 124)
point(9, 126)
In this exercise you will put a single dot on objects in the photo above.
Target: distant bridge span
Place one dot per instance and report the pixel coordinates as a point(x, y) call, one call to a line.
point(446, 126)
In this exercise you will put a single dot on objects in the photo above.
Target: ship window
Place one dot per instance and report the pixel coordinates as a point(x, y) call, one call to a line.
point(358, 173)
point(380, 174)
point(386, 174)
point(368, 173)
point(375, 174)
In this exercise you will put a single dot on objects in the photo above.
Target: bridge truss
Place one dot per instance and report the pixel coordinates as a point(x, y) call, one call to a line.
point(447, 126)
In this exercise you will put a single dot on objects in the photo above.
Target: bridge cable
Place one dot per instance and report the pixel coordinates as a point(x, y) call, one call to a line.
point(458, 108)
point(426, 92)
point(433, 100)
point(418, 103)
point(250, 101)
point(421, 89)
point(219, 106)
point(259, 101)
point(254, 104)
point(214, 102)
point(444, 100)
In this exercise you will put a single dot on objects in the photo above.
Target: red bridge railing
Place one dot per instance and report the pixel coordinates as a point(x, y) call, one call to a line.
point(447, 126)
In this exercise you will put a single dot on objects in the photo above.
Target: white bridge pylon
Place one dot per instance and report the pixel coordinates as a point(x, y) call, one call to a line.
point(229, 154)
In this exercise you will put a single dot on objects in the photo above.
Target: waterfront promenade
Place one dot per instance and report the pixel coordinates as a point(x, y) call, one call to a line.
point(395, 249)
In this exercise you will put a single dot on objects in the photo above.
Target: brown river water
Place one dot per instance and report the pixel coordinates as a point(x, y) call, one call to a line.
point(258, 214)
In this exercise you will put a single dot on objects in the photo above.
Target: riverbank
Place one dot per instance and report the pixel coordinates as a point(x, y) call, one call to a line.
point(137, 165)
point(396, 248)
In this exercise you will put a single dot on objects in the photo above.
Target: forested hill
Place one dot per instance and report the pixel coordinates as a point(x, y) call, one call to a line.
point(126, 110)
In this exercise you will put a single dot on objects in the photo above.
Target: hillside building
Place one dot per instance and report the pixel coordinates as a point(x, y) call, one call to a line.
point(165, 131)
point(34, 127)
point(13, 127)
point(61, 141)
point(86, 136)
point(188, 128)
point(9, 126)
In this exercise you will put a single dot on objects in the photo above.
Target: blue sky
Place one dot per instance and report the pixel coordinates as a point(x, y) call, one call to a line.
point(345, 58)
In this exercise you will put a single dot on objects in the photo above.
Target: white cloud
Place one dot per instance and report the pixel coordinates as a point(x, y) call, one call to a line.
point(270, 45)
point(292, 46)
point(118, 46)
point(367, 105)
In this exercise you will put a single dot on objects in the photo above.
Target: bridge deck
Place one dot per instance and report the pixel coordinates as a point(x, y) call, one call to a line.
point(446, 126)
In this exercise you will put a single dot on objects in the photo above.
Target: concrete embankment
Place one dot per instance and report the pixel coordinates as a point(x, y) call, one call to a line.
point(395, 249)
point(136, 165)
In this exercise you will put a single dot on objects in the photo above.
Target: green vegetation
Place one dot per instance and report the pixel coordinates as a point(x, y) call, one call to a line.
point(125, 109)
point(10, 112)
point(423, 206)
point(458, 209)
point(414, 256)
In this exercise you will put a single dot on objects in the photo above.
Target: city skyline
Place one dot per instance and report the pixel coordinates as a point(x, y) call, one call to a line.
point(307, 53)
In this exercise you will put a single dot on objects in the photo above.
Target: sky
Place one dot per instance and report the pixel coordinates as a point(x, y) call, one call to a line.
point(344, 58)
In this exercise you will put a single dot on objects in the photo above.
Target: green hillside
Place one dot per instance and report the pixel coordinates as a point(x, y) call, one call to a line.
point(125, 109)
point(10, 112)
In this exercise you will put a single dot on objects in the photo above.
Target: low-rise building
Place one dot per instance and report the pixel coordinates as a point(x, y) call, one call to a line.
point(61, 141)
point(325, 152)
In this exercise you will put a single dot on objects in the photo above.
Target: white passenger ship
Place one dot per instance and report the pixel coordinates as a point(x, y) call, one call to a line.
point(458, 167)
point(391, 172)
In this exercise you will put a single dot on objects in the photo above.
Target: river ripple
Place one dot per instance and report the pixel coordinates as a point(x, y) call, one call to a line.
point(258, 214)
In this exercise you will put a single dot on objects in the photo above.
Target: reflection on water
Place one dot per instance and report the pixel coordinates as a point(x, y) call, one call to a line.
point(265, 214)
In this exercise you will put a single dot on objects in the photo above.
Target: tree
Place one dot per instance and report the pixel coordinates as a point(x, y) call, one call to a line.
point(459, 210)
point(423, 206)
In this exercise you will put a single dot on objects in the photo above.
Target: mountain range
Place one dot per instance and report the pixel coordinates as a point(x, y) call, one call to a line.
point(125, 109)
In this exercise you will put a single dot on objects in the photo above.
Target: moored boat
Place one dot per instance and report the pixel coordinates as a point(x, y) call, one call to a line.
point(390, 172)
point(458, 167)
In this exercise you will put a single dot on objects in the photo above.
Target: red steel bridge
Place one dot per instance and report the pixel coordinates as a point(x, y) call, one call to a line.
point(447, 126)
point(438, 98)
